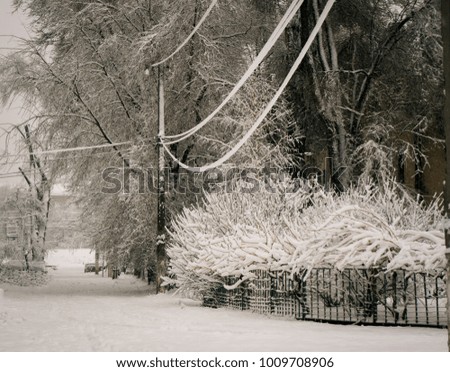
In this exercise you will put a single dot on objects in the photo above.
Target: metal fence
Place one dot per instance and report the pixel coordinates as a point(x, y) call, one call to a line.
point(362, 296)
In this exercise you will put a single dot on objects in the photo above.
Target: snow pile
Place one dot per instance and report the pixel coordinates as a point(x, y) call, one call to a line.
point(235, 233)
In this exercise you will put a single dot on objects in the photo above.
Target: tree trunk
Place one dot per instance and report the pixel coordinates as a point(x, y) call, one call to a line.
point(97, 264)
point(39, 227)
point(161, 255)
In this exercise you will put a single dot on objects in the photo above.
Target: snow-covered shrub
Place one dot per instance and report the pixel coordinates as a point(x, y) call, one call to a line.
point(22, 278)
point(294, 229)
point(8, 251)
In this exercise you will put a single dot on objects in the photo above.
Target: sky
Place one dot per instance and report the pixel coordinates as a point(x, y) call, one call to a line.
point(10, 24)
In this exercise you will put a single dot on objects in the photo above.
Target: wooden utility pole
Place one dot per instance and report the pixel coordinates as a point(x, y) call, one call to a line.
point(445, 11)
point(161, 256)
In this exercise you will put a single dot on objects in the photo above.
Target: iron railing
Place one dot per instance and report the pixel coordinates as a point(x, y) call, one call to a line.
point(362, 296)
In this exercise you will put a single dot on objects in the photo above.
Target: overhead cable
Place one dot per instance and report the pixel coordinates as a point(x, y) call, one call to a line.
point(290, 13)
point(57, 151)
point(50, 159)
point(194, 31)
point(269, 107)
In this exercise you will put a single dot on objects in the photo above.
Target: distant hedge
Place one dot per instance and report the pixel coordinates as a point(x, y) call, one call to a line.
point(22, 278)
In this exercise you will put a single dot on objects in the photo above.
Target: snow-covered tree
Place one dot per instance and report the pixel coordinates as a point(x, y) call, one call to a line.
point(87, 72)
point(376, 68)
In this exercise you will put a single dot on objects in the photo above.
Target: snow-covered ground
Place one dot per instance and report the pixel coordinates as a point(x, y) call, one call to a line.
point(85, 312)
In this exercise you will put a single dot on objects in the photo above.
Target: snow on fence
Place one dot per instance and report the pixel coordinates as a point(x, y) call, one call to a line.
point(362, 296)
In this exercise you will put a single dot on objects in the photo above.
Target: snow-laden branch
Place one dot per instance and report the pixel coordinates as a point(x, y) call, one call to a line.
point(233, 234)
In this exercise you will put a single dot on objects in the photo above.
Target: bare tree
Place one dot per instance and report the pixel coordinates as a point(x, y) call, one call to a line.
point(40, 188)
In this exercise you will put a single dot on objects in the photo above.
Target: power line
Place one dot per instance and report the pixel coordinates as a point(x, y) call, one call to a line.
point(18, 174)
point(10, 175)
point(290, 13)
point(82, 148)
point(78, 156)
point(269, 107)
point(194, 31)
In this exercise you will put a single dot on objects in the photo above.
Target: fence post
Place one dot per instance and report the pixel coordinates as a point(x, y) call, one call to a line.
point(272, 290)
point(394, 297)
point(373, 295)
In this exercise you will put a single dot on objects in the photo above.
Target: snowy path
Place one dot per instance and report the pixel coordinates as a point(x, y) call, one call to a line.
point(84, 312)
